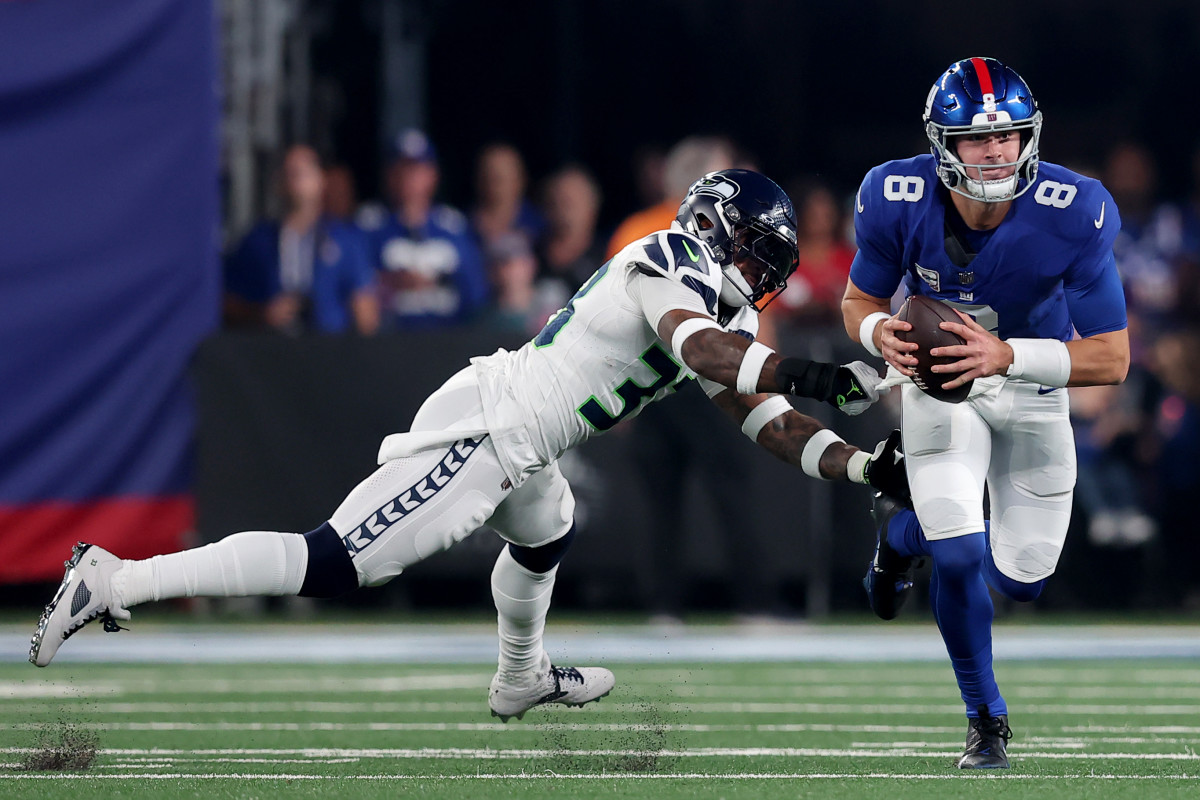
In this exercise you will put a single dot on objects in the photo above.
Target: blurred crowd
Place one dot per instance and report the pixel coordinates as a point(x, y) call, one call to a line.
point(331, 263)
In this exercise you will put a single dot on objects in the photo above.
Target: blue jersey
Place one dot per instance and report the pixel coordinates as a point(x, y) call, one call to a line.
point(431, 275)
point(341, 267)
point(1047, 268)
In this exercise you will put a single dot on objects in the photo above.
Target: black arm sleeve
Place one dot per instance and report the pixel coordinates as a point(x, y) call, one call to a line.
point(805, 378)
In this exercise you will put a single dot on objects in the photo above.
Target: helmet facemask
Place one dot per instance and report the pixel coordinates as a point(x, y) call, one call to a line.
point(766, 256)
point(967, 179)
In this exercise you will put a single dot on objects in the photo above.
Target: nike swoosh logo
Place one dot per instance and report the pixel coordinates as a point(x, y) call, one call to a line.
point(1100, 222)
point(858, 200)
point(1047, 389)
point(696, 258)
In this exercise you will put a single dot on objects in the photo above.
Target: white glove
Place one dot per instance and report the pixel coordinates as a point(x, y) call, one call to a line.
point(856, 388)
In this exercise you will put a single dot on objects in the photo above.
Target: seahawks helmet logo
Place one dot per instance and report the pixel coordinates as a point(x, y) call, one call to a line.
point(717, 187)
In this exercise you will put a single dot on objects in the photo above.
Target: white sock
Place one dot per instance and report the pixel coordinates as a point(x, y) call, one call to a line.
point(522, 601)
point(240, 565)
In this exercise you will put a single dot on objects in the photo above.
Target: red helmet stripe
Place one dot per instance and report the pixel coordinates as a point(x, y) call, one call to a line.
point(984, 76)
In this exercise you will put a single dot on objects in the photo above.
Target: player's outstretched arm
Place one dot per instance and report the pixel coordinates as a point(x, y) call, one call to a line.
point(751, 367)
point(803, 442)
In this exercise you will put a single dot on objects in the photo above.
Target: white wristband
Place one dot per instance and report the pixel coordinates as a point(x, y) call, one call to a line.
point(856, 467)
point(752, 363)
point(1044, 361)
point(685, 329)
point(764, 412)
point(866, 331)
point(810, 458)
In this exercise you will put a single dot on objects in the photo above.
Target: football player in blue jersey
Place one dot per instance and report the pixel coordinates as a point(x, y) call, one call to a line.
point(1023, 249)
point(484, 448)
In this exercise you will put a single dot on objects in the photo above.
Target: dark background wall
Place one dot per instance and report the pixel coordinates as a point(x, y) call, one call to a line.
point(806, 87)
point(288, 426)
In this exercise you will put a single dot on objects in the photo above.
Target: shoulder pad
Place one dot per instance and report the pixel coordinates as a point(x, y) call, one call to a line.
point(674, 253)
point(1078, 207)
point(678, 257)
point(896, 187)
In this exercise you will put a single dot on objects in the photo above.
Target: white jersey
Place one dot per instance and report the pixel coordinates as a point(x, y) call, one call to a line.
point(599, 359)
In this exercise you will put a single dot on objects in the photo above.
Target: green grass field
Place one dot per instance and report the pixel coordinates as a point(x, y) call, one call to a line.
point(1084, 729)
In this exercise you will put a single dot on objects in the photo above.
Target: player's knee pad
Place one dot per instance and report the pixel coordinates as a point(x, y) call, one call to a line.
point(1009, 587)
point(960, 557)
point(1027, 540)
point(330, 570)
point(545, 557)
point(940, 515)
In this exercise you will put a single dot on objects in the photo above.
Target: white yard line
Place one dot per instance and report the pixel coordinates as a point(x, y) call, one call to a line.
point(932, 707)
point(607, 776)
point(140, 684)
point(323, 755)
point(391, 725)
point(427, 644)
point(15, 699)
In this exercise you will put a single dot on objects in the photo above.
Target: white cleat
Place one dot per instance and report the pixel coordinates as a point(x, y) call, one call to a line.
point(512, 694)
point(83, 596)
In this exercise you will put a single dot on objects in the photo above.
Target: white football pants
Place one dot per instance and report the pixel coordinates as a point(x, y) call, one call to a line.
point(413, 507)
point(1020, 442)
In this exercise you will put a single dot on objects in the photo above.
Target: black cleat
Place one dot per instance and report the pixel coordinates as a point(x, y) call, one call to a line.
point(889, 578)
point(987, 739)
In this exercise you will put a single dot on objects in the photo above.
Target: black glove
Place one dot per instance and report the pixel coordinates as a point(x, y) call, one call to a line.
point(885, 471)
point(850, 388)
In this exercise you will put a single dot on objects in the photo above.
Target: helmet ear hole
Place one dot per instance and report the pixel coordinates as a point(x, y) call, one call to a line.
point(705, 222)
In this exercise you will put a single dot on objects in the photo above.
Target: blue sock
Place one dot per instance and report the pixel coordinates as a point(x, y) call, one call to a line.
point(905, 534)
point(963, 610)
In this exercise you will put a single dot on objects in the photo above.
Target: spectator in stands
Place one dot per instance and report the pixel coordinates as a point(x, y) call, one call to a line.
point(1107, 422)
point(307, 271)
point(570, 251)
point(341, 193)
point(649, 174)
point(1178, 475)
point(501, 206)
point(814, 292)
point(688, 160)
point(671, 459)
point(1149, 245)
point(1189, 258)
point(518, 302)
point(430, 269)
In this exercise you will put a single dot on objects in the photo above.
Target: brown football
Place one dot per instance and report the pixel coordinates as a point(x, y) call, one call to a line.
point(925, 315)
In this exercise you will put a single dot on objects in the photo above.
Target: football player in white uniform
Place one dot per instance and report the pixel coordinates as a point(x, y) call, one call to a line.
point(484, 447)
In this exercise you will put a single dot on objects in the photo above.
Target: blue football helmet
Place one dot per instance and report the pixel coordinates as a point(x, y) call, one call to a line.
point(743, 216)
point(981, 96)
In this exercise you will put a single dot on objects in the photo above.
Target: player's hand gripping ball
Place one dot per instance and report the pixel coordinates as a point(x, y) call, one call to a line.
point(925, 315)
